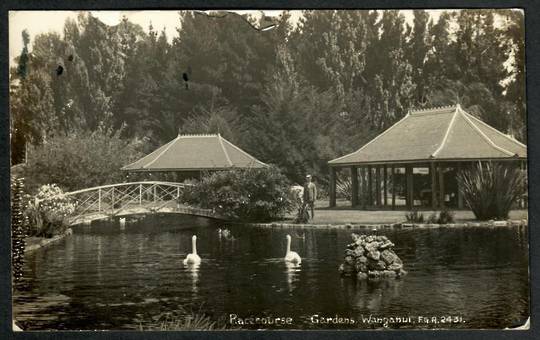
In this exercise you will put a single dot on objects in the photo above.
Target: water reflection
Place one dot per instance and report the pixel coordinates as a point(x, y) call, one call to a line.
point(372, 294)
point(293, 271)
point(193, 272)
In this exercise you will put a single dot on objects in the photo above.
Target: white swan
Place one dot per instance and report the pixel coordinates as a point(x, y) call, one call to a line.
point(193, 258)
point(291, 256)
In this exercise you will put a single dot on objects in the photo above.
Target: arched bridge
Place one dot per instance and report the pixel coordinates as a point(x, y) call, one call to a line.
point(131, 199)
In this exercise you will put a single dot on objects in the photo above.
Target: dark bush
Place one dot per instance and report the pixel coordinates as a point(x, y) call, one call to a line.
point(443, 217)
point(242, 194)
point(414, 217)
point(490, 190)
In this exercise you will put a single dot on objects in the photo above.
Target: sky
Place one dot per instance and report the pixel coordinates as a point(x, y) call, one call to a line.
point(37, 22)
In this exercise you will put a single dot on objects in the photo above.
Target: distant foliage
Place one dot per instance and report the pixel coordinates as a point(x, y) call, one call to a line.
point(243, 194)
point(490, 190)
point(81, 160)
point(414, 216)
point(48, 211)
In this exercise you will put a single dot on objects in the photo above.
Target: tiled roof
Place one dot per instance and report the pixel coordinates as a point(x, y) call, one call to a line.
point(446, 133)
point(195, 152)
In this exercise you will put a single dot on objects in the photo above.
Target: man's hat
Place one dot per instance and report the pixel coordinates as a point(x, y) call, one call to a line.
point(308, 176)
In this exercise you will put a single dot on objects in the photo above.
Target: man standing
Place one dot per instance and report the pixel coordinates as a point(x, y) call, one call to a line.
point(310, 195)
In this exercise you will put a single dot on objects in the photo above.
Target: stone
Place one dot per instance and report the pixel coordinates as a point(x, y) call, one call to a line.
point(347, 268)
point(402, 273)
point(359, 251)
point(376, 265)
point(374, 255)
point(361, 259)
point(350, 252)
point(395, 267)
point(361, 276)
point(389, 273)
point(370, 246)
point(388, 256)
point(387, 244)
point(374, 274)
point(380, 265)
point(361, 267)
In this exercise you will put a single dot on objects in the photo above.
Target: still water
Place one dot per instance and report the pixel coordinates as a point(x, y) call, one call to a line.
point(103, 277)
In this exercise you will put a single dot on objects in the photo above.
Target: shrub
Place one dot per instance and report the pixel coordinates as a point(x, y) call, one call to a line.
point(48, 211)
point(490, 190)
point(242, 194)
point(443, 217)
point(80, 160)
point(414, 217)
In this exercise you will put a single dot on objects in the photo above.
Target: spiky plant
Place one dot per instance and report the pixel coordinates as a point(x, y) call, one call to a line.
point(344, 187)
point(490, 190)
point(188, 320)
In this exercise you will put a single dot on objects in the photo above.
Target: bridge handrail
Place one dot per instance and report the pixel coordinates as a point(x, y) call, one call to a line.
point(71, 193)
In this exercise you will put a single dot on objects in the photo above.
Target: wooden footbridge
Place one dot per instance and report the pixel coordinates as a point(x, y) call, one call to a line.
point(133, 198)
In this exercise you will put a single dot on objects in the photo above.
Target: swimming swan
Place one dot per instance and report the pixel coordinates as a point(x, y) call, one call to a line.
point(193, 258)
point(291, 256)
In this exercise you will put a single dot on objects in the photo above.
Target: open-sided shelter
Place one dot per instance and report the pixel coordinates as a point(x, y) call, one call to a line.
point(414, 162)
point(194, 154)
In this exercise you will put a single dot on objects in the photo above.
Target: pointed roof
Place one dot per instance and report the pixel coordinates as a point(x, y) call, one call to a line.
point(445, 133)
point(196, 152)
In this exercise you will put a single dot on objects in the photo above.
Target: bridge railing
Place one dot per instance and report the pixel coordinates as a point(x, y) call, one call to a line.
point(114, 198)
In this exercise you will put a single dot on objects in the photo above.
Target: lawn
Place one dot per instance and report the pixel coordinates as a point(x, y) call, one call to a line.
point(343, 214)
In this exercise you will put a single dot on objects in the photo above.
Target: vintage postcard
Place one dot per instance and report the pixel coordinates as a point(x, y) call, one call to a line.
point(269, 170)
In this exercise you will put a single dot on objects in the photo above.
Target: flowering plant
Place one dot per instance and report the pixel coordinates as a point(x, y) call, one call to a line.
point(48, 211)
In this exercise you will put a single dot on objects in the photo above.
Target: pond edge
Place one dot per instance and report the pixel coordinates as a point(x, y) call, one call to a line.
point(47, 241)
point(487, 224)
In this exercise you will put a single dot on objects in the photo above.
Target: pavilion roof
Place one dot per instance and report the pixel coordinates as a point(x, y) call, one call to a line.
point(196, 152)
point(444, 133)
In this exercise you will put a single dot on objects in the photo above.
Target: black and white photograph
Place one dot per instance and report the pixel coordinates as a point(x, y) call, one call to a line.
point(233, 170)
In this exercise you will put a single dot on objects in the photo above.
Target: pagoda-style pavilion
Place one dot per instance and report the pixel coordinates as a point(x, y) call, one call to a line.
point(414, 162)
point(192, 154)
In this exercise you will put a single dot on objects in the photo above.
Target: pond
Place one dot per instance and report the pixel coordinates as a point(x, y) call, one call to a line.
point(106, 277)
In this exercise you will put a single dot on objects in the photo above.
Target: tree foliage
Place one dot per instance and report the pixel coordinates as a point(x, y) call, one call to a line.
point(81, 160)
point(295, 96)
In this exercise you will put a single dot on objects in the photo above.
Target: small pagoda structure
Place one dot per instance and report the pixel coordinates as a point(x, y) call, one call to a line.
point(194, 154)
point(414, 163)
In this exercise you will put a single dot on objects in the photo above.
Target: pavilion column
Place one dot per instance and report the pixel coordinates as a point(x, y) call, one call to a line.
point(364, 186)
point(459, 195)
point(370, 191)
point(441, 186)
point(378, 185)
point(354, 184)
point(409, 196)
point(332, 187)
point(385, 183)
point(393, 187)
point(433, 173)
